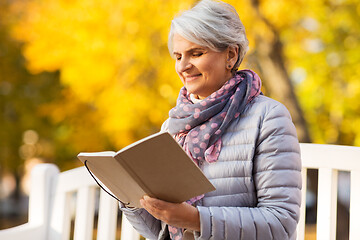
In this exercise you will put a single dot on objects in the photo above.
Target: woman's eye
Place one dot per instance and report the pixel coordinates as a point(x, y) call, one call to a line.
point(197, 54)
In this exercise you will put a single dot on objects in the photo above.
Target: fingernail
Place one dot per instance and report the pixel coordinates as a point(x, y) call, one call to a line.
point(146, 197)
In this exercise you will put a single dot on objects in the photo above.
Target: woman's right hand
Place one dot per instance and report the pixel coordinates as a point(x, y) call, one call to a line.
point(182, 215)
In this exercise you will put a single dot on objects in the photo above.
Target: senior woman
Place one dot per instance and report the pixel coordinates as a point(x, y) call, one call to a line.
point(244, 142)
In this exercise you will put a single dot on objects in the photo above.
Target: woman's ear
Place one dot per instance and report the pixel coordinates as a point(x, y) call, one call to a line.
point(232, 56)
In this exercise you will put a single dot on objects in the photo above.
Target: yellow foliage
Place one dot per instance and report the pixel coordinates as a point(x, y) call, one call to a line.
point(113, 56)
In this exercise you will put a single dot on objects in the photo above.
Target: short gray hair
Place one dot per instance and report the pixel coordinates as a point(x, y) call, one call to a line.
point(212, 24)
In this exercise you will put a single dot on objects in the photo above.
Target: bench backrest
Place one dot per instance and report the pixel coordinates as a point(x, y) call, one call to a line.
point(76, 187)
point(329, 160)
point(58, 199)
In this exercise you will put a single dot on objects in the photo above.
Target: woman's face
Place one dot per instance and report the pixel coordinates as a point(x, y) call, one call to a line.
point(202, 70)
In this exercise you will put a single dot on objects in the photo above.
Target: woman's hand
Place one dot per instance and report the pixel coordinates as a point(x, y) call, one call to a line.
point(181, 215)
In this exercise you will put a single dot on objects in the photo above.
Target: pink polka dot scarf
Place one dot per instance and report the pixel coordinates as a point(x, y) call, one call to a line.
point(198, 127)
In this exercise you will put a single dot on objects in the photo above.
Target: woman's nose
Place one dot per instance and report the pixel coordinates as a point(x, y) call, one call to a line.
point(184, 65)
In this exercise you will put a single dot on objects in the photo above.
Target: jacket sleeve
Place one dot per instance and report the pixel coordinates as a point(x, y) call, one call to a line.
point(277, 179)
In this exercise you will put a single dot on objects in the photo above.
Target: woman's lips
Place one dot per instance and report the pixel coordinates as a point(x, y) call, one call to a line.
point(192, 77)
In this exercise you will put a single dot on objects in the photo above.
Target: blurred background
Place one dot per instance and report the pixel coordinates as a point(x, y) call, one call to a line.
point(87, 75)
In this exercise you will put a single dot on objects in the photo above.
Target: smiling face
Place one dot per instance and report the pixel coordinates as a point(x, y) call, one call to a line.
point(202, 70)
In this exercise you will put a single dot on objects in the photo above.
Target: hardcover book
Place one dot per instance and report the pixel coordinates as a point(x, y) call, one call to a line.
point(156, 165)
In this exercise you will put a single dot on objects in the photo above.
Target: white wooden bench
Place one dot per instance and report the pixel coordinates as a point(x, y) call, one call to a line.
point(55, 196)
point(329, 160)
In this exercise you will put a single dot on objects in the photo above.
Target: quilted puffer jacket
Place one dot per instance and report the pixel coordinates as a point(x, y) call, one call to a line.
point(257, 178)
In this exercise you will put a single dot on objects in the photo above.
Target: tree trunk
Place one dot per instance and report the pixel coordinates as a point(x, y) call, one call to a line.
point(270, 61)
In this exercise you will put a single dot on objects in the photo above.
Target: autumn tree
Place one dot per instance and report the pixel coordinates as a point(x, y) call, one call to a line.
point(27, 129)
point(112, 55)
point(118, 81)
point(20, 95)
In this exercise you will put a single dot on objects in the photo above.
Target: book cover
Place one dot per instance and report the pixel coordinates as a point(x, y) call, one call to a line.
point(156, 165)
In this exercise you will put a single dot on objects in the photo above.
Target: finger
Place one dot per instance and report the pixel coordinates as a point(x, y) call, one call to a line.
point(157, 203)
point(158, 214)
point(149, 204)
point(145, 201)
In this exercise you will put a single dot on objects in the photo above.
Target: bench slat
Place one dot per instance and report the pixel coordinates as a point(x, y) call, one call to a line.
point(61, 217)
point(108, 209)
point(127, 230)
point(354, 205)
point(326, 204)
point(84, 219)
point(301, 224)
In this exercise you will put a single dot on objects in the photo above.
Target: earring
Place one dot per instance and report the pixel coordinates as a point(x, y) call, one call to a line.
point(229, 66)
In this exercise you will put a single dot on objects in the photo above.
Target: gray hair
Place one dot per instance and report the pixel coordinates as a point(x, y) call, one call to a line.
point(212, 24)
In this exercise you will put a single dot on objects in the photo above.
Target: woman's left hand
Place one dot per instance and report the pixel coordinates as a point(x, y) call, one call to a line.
point(181, 215)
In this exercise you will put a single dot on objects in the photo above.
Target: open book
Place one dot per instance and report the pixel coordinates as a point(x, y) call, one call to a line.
point(156, 165)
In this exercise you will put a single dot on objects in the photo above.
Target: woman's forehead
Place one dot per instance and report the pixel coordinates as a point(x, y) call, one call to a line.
point(181, 44)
